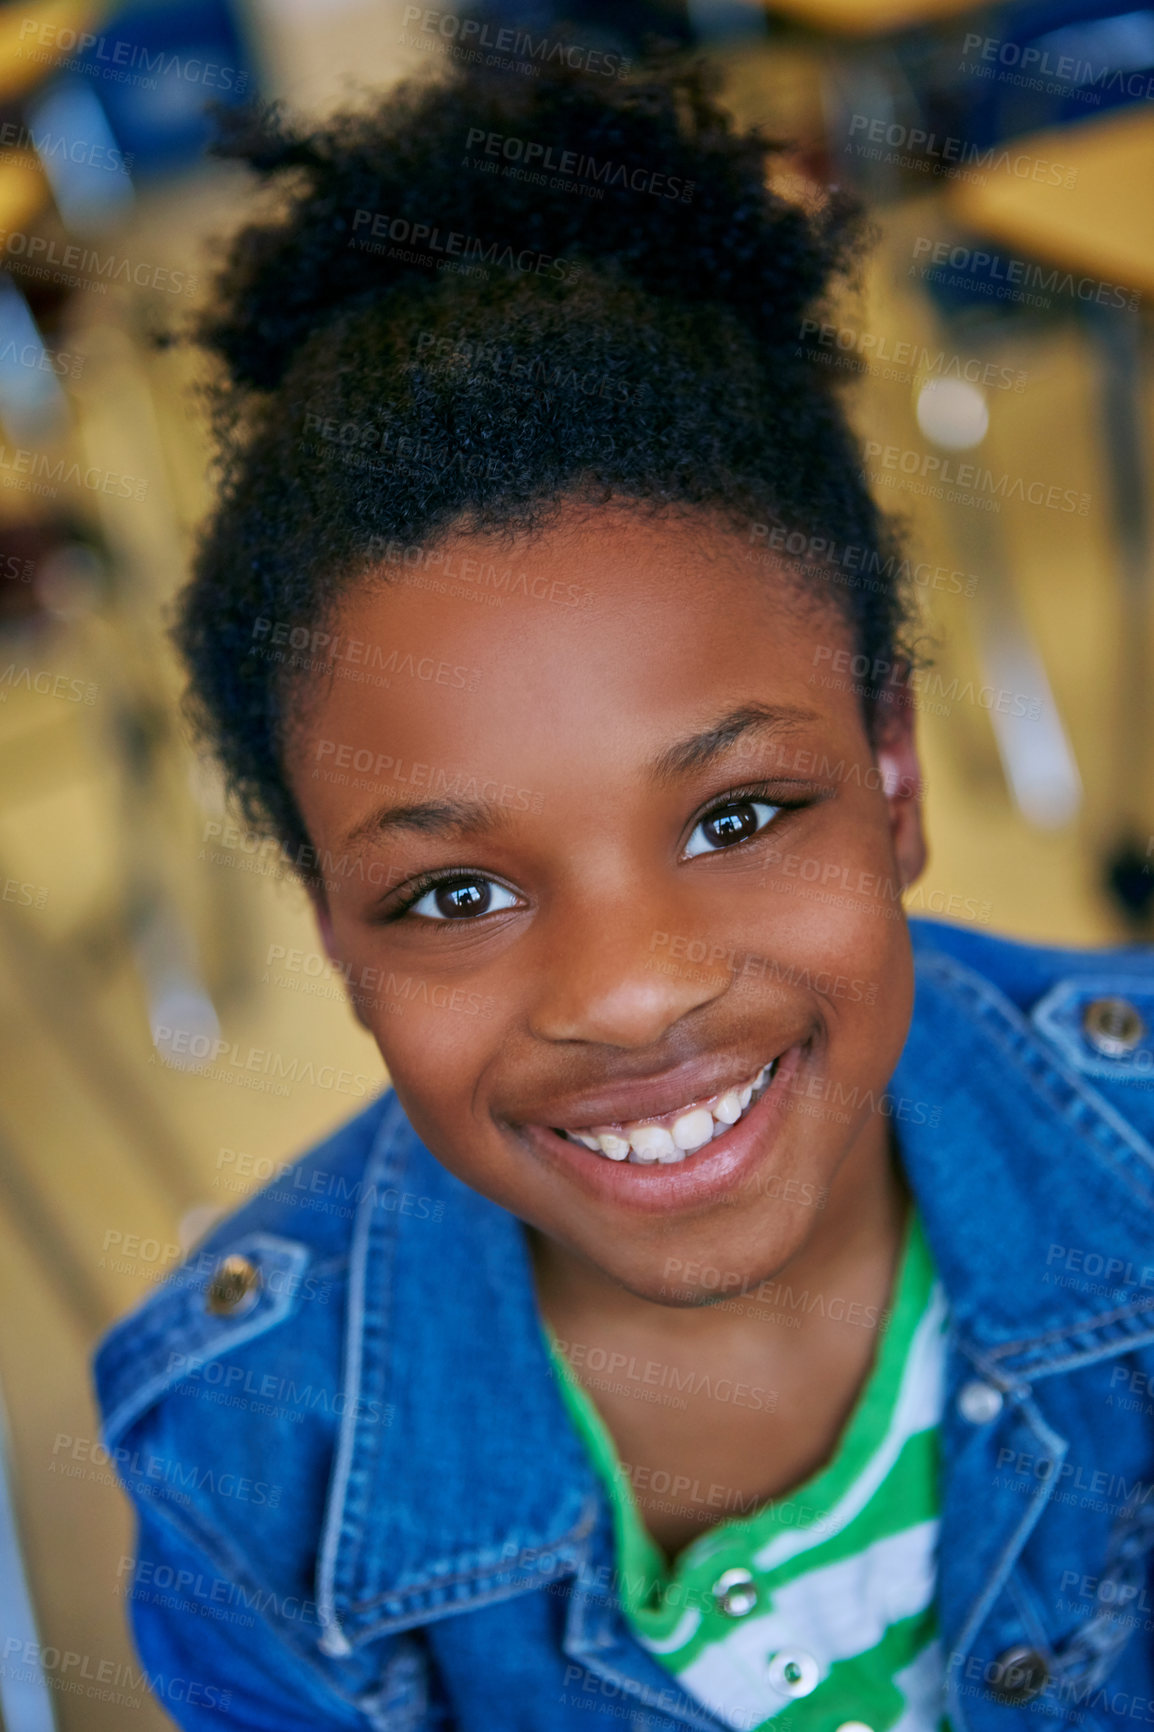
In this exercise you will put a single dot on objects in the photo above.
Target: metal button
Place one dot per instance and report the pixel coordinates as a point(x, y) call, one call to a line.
point(793, 1672)
point(233, 1289)
point(1113, 1026)
point(854, 1726)
point(1020, 1674)
point(979, 1403)
point(735, 1592)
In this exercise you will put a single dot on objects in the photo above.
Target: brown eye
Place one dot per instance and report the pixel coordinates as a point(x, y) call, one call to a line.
point(468, 897)
point(462, 899)
point(727, 825)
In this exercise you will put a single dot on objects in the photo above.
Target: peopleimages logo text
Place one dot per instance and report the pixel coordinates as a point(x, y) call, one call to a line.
point(945, 153)
point(574, 165)
point(453, 243)
point(1045, 62)
point(1021, 273)
point(973, 478)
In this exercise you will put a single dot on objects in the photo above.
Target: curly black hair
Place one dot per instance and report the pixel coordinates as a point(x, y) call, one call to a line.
point(482, 298)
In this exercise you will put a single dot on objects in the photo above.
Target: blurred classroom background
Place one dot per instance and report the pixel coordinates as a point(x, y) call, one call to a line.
point(1004, 329)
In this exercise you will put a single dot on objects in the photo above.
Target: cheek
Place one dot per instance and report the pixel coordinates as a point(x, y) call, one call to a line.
point(438, 1040)
point(837, 942)
point(426, 1024)
point(832, 910)
point(439, 1064)
point(433, 1036)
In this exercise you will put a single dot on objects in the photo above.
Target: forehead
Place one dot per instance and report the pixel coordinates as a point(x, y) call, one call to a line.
point(610, 632)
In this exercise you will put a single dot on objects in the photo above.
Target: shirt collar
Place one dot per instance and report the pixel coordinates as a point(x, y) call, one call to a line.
point(459, 1476)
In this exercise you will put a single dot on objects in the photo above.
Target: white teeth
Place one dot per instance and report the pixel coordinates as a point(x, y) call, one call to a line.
point(650, 1142)
point(693, 1129)
point(728, 1108)
point(612, 1145)
point(647, 1143)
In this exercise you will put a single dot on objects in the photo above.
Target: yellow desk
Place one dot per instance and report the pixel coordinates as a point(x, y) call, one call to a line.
point(1103, 225)
point(35, 39)
point(865, 18)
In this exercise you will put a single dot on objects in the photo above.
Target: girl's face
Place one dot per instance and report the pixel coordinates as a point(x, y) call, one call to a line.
point(600, 855)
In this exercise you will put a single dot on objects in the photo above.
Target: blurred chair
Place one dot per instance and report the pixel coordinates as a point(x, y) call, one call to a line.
point(1094, 62)
point(137, 79)
point(1090, 59)
point(1105, 46)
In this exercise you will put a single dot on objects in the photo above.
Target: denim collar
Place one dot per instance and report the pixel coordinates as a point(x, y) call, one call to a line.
point(460, 1397)
point(1018, 1160)
point(459, 1478)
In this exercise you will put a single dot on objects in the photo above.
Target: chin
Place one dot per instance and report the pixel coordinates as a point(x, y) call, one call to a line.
point(694, 1277)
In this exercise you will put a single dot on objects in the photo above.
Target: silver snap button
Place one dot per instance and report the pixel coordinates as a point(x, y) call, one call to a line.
point(979, 1403)
point(735, 1592)
point(1113, 1026)
point(793, 1672)
point(1020, 1674)
point(233, 1289)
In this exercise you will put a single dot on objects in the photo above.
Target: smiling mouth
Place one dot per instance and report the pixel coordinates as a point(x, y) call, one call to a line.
point(674, 1136)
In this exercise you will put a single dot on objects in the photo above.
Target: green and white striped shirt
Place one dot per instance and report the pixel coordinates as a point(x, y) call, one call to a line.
point(830, 1621)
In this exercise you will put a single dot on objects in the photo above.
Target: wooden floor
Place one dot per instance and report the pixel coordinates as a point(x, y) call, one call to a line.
point(108, 1158)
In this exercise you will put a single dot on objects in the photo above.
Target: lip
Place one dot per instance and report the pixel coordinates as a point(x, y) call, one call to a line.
point(691, 1184)
point(651, 1097)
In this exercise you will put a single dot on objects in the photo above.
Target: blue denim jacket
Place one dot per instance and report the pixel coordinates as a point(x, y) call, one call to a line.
point(362, 1504)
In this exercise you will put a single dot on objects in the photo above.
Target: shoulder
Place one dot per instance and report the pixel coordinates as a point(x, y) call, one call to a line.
point(278, 1233)
point(1091, 1011)
point(1024, 971)
point(221, 1394)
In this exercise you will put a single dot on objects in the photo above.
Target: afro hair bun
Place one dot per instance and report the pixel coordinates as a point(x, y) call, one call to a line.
point(658, 188)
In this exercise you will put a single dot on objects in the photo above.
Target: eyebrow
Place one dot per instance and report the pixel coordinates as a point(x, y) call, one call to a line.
point(449, 819)
point(702, 748)
point(441, 818)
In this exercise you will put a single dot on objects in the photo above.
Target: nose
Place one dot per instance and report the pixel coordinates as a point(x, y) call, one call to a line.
point(607, 977)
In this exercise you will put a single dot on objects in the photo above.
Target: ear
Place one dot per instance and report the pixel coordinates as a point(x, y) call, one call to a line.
point(896, 754)
point(324, 919)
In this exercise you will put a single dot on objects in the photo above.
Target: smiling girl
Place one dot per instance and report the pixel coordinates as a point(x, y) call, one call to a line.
point(695, 1333)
